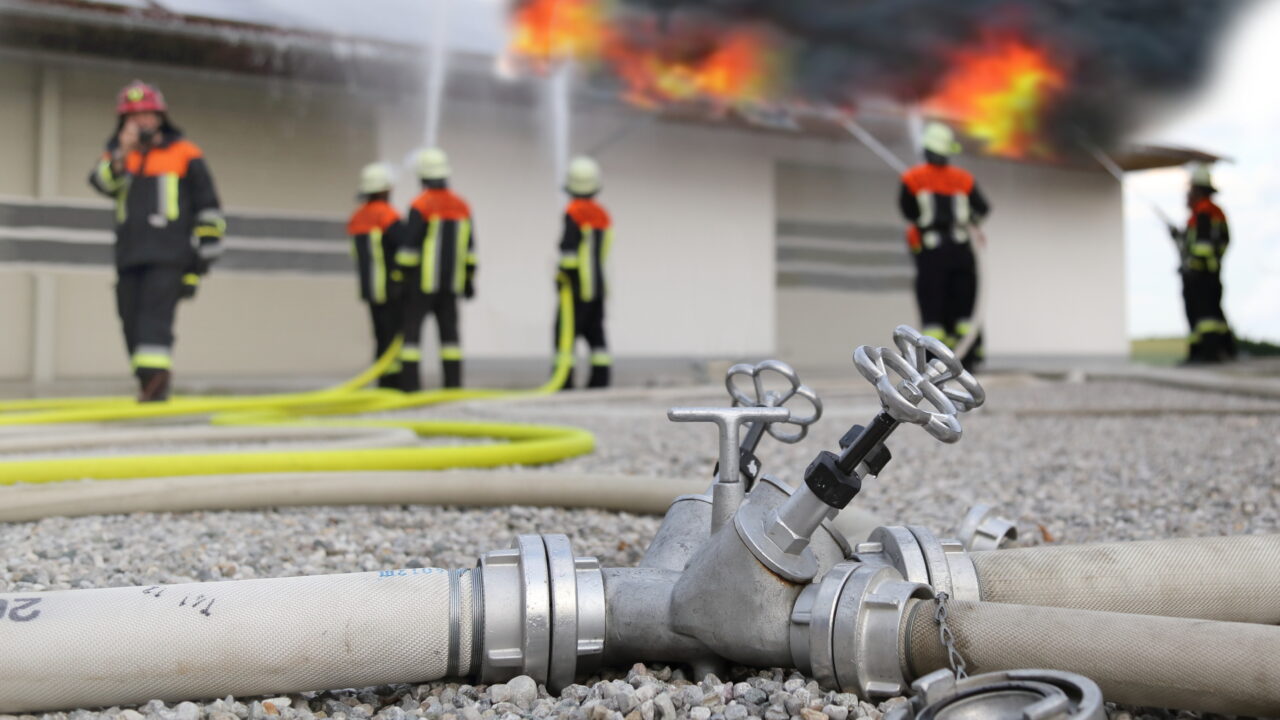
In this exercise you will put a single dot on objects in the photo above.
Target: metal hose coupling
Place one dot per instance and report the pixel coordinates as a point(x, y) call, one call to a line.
point(1004, 695)
point(920, 556)
point(542, 612)
point(845, 629)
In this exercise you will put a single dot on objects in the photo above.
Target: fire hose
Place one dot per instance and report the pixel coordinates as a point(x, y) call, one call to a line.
point(874, 619)
point(526, 444)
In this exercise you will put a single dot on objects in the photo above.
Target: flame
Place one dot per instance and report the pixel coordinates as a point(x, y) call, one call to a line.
point(549, 30)
point(999, 92)
point(733, 66)
point(737, 69)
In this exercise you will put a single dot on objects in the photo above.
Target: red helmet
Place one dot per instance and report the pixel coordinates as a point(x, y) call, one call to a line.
point(138, 96)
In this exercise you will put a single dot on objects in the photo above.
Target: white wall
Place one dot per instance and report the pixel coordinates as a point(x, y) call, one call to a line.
point(692, 268)
point(1053, 272)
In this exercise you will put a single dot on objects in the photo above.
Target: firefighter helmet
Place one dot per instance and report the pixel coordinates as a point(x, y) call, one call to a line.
point(584, 176)
point(433, 164)
point(940, 139)
point(375, 178)
point(1202, 177)
point(138, 96)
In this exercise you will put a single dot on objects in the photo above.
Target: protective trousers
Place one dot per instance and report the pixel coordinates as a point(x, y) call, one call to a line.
point(387, 318)
point(1211, 339)
point(417, 307)
point(588, 324)
point(147, 300)
point(946, 290)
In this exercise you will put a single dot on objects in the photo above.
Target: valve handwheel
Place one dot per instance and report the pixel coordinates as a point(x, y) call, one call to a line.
point(927, 370)
point(763, 397)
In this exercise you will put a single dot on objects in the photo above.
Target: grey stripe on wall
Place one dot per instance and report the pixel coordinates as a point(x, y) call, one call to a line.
point(74, 253)
point(843, 256)
point(88, 218)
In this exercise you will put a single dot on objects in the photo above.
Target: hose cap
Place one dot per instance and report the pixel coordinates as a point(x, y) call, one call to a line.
point(1004, 695)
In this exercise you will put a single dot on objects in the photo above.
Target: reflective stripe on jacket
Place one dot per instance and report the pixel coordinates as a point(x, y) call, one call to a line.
point(376, 234)
point(585, 247)
point(163, 197)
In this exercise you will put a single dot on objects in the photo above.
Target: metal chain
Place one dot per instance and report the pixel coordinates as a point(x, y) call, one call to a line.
point(948, 639)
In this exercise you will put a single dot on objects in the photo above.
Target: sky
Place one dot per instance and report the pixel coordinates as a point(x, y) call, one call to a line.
point(1236, 114)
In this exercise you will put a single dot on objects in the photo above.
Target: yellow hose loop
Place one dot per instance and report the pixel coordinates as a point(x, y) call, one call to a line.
point(525, 444)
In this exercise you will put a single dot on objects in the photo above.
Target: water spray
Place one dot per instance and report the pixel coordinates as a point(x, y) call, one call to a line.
point(437, 57)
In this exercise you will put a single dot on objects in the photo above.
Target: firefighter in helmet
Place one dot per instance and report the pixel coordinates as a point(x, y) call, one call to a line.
point(1201, 246)
point(377, 233)
point(438, 259)
point(168, 226)
point(944, 207)
point(584, 251)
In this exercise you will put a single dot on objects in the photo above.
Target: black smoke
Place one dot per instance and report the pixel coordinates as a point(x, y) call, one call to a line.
point(1121, 57)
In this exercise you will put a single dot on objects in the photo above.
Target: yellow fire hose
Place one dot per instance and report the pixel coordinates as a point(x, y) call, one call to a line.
point(524, 443)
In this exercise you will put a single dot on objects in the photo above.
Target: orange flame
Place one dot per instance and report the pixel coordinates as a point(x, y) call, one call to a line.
point(999, 93)
point(737, 69)
point(738, 66)
point(548, 30)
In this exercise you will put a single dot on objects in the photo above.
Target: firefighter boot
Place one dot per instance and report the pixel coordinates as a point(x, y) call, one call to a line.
point(153, 385)
point(452, 372)
point(601, 366)
point(410, 378)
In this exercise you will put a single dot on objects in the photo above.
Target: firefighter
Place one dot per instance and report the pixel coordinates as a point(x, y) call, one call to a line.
point(1201, 246)
point(164, 194)
point(944, 206)
point(377, 233)
point(584, 250)
point(438, 259)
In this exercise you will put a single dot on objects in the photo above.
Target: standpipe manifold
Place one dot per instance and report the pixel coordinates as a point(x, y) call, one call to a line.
point(731, 559)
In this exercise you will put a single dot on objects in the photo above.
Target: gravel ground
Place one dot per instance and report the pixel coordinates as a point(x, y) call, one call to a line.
point(1069, 462)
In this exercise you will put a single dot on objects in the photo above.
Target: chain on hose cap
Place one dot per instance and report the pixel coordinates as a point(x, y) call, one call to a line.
point(1004, 695)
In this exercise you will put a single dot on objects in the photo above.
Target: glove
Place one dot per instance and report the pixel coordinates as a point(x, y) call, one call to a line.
point(469, 289)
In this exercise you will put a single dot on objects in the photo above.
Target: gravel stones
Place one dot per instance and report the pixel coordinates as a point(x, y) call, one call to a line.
point(1078, 463)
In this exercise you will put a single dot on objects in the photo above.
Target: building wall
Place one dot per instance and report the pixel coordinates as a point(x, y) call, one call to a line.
point(18, 118)
point(1053, 270)
point(691, 273)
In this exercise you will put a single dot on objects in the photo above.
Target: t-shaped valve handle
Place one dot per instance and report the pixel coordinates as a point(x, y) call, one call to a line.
point(757, 395)
point(728, 491)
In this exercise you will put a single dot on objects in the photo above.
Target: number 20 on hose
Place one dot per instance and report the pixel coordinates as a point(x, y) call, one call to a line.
point(19, 609)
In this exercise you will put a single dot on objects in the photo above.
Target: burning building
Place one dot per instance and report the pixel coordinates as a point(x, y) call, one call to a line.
point(750, 221)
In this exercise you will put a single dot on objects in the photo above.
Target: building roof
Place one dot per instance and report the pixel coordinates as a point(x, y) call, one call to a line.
point(373, 43)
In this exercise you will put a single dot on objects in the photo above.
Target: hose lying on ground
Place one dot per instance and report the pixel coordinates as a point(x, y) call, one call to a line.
point(1222, 667)
point(1212, 578)
point(525, 444)
point(89, 648)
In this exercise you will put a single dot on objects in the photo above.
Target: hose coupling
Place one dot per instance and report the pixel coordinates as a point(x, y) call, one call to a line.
point(1004, 695)
point(845, 629)
point(920, 556)
point(983, 529)
point(542, 612)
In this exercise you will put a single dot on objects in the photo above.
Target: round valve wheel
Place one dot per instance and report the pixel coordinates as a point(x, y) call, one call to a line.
point(942, 381)
point(762, 397)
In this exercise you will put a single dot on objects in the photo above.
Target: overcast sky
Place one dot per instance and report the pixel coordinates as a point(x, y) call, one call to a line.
point(1237, 114)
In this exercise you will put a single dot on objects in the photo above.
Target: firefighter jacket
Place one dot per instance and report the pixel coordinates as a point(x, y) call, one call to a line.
point(439, 250)
point(377, 234)
point(1204, 241)
point(941, 202)
point(163, 196)
point(584, 247)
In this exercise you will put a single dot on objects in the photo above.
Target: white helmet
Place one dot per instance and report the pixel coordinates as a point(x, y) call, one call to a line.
point(584, 176)
point(375, 178)
point(433, 164)
point(1201, 176)
point(940, 139)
